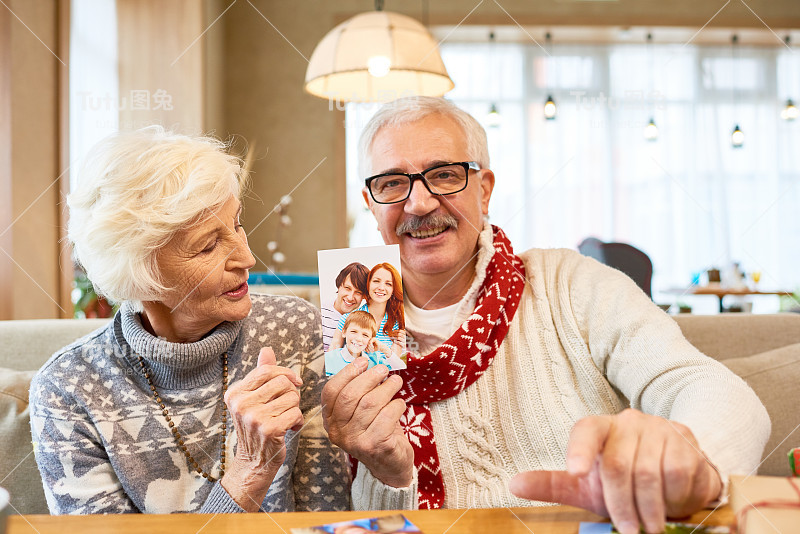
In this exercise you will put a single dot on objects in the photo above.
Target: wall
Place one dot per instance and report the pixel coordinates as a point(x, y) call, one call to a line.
point(160, 50)
point(6, 217)
point(264, 102)
point(294, 132)
point(30, 168)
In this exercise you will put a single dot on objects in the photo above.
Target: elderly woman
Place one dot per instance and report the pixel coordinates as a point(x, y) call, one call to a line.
point(197, 396)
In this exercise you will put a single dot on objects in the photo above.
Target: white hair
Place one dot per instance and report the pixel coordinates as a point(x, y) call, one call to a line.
point(135, 191)
point(413, 109)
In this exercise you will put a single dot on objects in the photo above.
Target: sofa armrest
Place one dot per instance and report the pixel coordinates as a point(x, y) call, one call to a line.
point(18, 468)
point(735, 335)
point(28, 344)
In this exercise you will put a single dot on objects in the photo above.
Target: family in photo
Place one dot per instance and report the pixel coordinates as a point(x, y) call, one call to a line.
point(364, 317)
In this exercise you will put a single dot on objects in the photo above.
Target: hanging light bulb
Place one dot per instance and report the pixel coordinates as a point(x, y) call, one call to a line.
point(737, 137)
point(550, 108)
point(493, 118)
point(379, 66)
point(790, 111)
point(549, 104)
point(651, 130)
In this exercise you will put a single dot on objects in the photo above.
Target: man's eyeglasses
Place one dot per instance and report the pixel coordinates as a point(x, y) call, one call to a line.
point(442, 179)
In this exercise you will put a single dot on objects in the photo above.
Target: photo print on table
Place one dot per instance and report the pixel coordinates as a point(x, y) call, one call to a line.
point(388, 524)
point(361, 295)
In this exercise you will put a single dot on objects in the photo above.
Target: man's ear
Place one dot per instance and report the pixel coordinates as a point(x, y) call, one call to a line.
point(369, 202)
point(487, 186)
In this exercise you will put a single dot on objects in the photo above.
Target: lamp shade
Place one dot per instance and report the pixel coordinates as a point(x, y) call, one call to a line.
point(377, 57)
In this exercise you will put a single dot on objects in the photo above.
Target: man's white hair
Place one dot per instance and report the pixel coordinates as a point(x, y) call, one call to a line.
point(135, 191)
point(415, 108)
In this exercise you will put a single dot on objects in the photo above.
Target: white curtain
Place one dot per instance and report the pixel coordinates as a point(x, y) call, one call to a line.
point(93, 77)
point(689, 199)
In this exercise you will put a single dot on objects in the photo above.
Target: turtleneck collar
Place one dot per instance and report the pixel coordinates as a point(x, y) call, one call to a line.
point(175, 365)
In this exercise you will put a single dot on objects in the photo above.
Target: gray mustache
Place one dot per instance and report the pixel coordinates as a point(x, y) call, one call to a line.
point(433, 220)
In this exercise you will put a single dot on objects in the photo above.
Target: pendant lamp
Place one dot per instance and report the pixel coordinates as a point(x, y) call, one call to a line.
point(550, 109)
point(651, 130)
point(493, 118)
point(737, 136)
point(377, 57)
point(790, 111)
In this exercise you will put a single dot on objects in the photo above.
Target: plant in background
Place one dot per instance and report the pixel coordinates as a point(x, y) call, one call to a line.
point(790, 303)
point(85, 301)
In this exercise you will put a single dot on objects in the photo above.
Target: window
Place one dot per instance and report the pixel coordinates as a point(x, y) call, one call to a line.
point(93, 77)
point(689, 199)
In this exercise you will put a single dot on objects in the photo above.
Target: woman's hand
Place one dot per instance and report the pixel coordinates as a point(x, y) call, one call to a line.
point(374, 346)
point(264, 406)
point(399, 345)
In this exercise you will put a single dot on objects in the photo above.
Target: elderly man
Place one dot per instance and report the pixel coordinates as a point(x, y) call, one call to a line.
point(544, 376)
point(351, 288)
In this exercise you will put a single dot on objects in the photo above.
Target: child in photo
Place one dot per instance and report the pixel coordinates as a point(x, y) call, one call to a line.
point(359, 334)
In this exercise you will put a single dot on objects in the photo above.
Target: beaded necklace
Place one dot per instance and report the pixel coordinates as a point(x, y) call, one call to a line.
point(177, 435)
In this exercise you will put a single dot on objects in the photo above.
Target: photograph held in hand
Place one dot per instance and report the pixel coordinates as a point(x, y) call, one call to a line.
point(361, 291)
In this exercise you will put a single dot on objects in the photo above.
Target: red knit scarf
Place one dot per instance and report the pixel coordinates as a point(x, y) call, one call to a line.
point(459, 362)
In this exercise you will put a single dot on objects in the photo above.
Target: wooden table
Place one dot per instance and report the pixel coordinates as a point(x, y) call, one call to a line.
point(551, 519)
point(721, 292)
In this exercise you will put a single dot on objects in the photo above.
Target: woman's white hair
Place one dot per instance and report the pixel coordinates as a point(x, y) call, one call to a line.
point(413, 109)
point(134, 193)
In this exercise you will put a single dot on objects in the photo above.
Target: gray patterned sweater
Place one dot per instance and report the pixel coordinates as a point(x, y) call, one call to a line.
point(103, 445)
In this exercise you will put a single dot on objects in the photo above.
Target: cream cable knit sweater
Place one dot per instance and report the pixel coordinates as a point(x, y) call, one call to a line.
point(584, 341)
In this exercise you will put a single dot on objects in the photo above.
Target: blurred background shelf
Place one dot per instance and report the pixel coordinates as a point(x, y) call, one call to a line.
point(303, 285)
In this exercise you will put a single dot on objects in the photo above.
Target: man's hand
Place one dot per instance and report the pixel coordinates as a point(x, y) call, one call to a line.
point(632, 467)
point(363, 419)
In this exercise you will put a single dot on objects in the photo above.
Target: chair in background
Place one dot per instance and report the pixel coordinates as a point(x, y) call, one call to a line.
point(592, 247)
point(621, 256)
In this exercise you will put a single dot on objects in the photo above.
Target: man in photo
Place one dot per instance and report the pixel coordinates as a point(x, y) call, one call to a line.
point(542, 375)
point(351, 287)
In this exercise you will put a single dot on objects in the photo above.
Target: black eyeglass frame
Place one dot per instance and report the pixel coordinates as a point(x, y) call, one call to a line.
point(414, 176)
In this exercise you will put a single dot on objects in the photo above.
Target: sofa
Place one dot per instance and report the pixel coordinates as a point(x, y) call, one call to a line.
point(763, 349)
